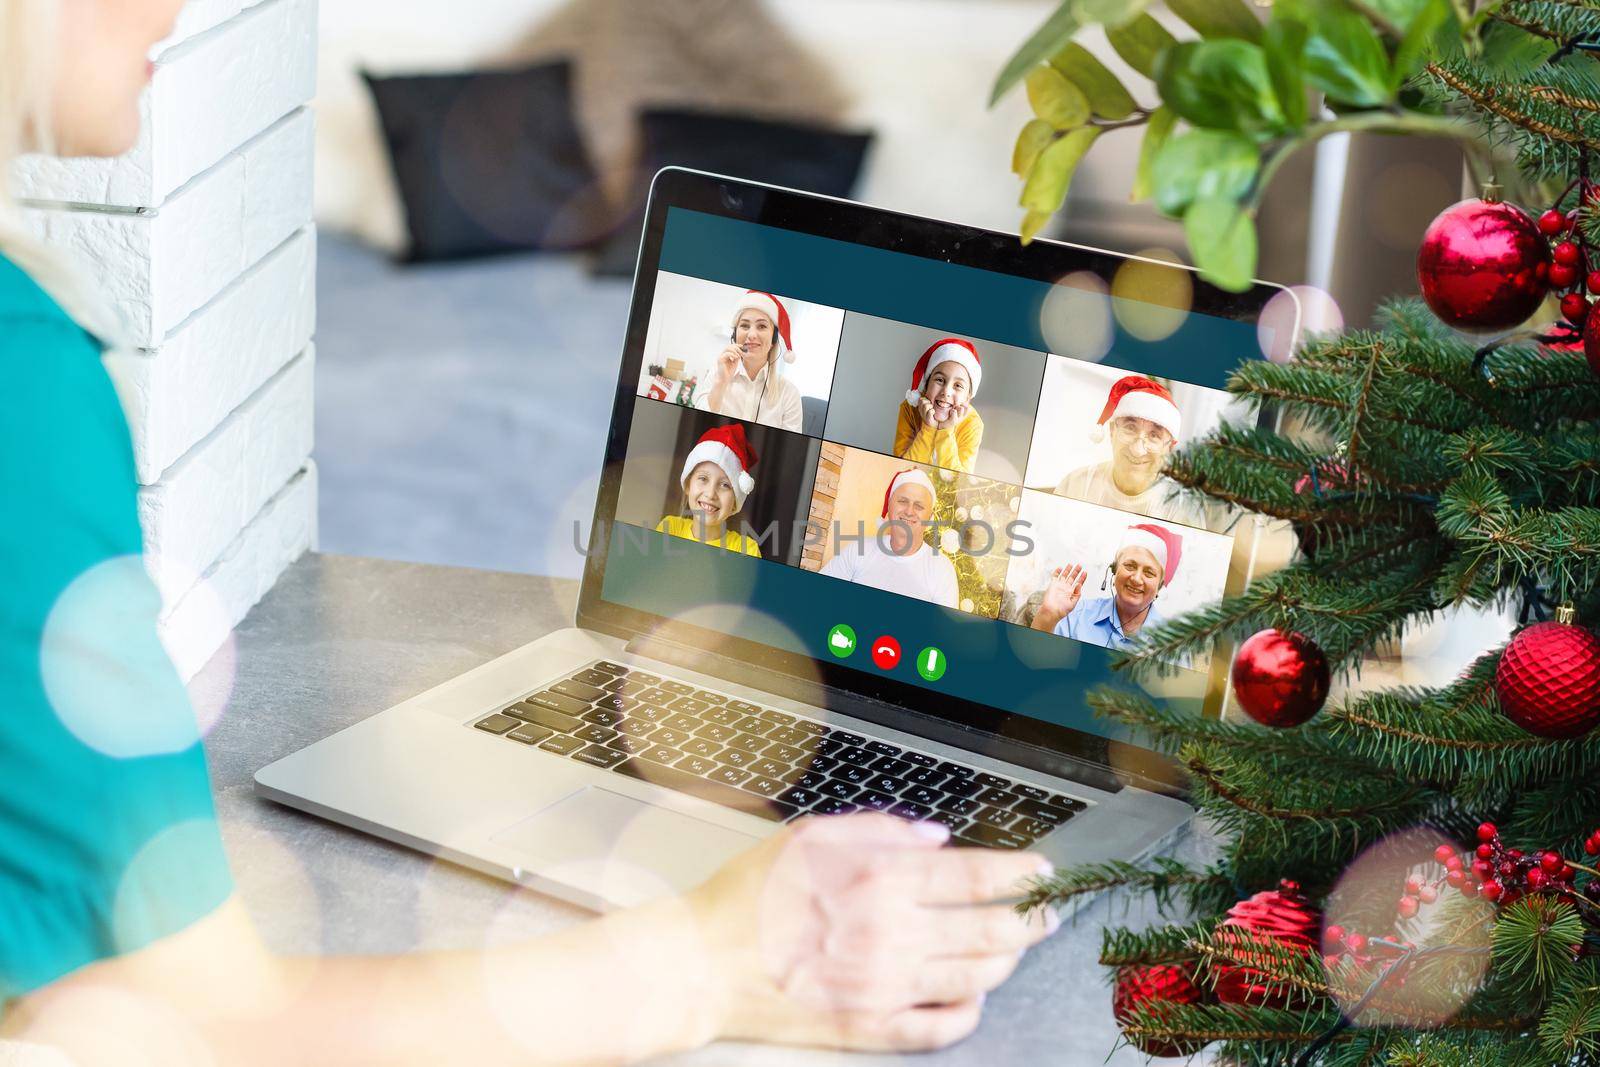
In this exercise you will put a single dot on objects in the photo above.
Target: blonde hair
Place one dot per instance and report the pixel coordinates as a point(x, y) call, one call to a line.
point(28, 39)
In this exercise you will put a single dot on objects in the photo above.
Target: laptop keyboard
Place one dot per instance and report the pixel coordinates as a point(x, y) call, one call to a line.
point(766, 762)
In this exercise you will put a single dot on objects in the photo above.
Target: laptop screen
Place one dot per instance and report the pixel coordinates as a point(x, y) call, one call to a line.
point(918, 478)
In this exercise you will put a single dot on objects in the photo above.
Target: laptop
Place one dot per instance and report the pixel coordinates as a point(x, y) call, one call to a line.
point(857, 461)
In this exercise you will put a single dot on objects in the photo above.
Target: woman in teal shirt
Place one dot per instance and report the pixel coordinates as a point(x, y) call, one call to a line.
point(120, 935)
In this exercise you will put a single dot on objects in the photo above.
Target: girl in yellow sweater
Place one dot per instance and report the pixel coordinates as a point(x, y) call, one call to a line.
point(716, 479)
point(937, 422)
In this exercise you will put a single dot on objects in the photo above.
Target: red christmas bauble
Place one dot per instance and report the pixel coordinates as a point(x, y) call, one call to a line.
point(1280, 679)
point(1479, 265)
point(1151, 985)
point(1548, 680)
point(1283, 915)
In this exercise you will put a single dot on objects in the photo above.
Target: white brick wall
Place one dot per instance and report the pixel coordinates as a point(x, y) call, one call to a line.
point(202, 237)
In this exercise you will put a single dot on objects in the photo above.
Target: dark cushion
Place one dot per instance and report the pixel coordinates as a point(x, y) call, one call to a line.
point(811, 158)
point(489, 161)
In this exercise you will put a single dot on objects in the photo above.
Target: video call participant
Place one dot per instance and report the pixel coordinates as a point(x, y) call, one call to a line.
point(908, 565)
point(1144, 563)
point(716, 480)
point(747, 382)
point(1144, 424)
point(937, 422)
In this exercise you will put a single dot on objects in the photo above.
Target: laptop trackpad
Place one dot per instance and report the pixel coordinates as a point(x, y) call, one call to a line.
point(622, 850)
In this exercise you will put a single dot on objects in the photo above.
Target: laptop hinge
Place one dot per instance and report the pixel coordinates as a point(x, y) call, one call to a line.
point(892, 716)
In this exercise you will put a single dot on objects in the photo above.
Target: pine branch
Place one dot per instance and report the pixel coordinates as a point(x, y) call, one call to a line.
point(1164, 944)
point(1168, 882)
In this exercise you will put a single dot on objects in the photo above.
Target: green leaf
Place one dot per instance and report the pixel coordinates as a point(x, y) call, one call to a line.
point(1222, 236)
point(1110, 12)
point(1221, 84)
point(1219, 18)
point(1046, 41)
point(1418, 43)
point(1055, 99)
point(1401, 14)
point(1156, 132)
point(1140, 42)
point(1204, 164)
point(1284, 42)
point(1107, 96)
point(1052, 173)
point(1343, 55)
point(1032, 223)
point(1036, 135)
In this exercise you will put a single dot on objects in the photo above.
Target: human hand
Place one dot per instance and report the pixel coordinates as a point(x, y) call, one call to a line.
point(860, 932)
point(1060, 596)
point(728, 363)
point(925, 412)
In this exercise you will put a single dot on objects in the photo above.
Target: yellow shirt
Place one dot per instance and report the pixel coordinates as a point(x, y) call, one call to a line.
point(954, 447)
point(683, 526)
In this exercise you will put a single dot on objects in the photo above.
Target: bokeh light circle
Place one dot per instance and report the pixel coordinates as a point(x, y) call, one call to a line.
point(105, 670)
point(1075, 318)
point(1154, 294)
point(1318, 312)
point(1431, 990)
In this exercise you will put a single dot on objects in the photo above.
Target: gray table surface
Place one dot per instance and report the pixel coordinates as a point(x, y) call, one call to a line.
point(341, 638)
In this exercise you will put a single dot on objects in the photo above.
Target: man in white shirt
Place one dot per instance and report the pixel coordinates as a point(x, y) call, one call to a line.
point(1144, 425)
point(898, 559)
point(746, 382)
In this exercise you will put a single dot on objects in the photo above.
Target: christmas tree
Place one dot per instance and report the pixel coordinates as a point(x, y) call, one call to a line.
point(1405, 876)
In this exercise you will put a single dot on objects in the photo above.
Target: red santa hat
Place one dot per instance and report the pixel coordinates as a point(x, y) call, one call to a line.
point(909, 476)
point(727, 447)
point(772, 308)
point(1138, 397)
point(945, 350)
point(1164, 544)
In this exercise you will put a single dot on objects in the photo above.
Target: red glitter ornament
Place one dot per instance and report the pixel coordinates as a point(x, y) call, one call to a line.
point(1148, 987)
point(1280, 679)
point(1283, 915)
point(1479, 265)
point(1548, 679)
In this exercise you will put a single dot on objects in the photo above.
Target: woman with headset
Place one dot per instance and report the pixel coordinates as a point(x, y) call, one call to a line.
point(1144, 564)
point(747, 381)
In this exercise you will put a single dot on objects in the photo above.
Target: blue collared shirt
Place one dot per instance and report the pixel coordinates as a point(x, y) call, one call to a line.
point(1097, 622)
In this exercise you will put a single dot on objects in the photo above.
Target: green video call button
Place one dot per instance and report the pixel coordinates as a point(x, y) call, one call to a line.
point(842, 641)
point(931, 664)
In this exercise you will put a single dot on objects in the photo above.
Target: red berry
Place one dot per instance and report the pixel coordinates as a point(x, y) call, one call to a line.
point(1428, 894)
point(1333, 935)
point(1566, 254)
point(1551, 861)
point(1567, 873)
point(1355, 942)
point(1507, 869)
point(1492, 891)
point(1485, 851)
point(1455, 879)
point(1408, 907)
point(1593, 281)
point(1487, 831)
point(1575, 306)
point(1552, 222)
point(1453, 863)
point(1413, 885)
point(1443, 853)
point(1469, 889)
point(1559, 277)
point(1482, 868)
point(1537, 879)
